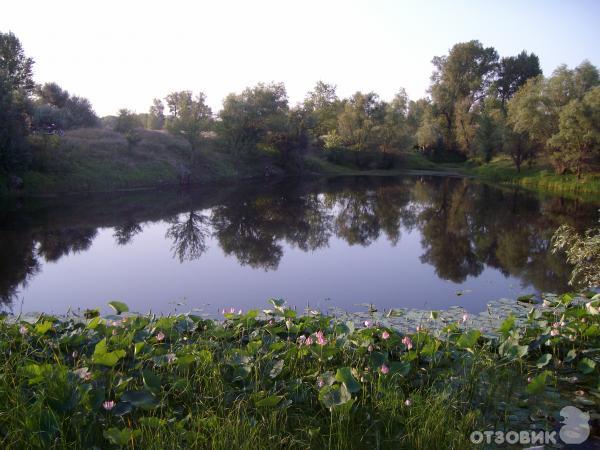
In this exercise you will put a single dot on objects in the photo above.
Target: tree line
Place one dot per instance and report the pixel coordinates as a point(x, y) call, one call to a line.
point(478, 105)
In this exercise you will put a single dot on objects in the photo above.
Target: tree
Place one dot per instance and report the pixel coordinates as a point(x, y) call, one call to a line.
point(80, 113)
point(189, 117)
point(577, 143)
point(460, 81)
point(488, 136)
point(52, 94)
point(16, 85)
point(395, 133)
point(583, 252)
point(56, 108)
point(323, 106)
point(513, 72)
point(127, 121)
point(536, 109)
point(360, 121)
point(247, 118)
point(531, 118)
point(15, 68)
point(156, 115)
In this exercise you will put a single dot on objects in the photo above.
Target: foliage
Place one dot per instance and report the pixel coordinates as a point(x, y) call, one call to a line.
point(189, 116)
point(249, 117)
point(275, 378)
point(127, 121)
point(156, 115)
point(56, 109)
point(583, 252)
point(577, 143)
point(16, 84)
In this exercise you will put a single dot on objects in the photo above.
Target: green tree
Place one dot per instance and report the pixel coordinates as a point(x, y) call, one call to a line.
point(247, 118)
point(156, 115)
point(459, 82)
point(16, 85)
point(577, 143)
point(513, 72)
point(323, 107)
point(395, 132)
point(359, 123)
point(189, 117)
point(583, 253)
point(127, 121)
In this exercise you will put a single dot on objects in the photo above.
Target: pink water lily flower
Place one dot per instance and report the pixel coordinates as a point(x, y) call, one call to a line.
point(108, 405)
point(385, 335)
point(384, 369)
point(321, 338)
point(554, 332)
point(308, 341)
point(23, 329)
point(160, 336)
point(367, 323)
point(408, 342)
point(465, 317)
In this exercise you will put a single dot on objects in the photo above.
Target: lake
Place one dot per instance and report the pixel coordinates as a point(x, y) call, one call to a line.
point(412, 241)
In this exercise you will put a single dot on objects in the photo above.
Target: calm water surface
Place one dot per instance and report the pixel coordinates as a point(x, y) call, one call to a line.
point(394, 242)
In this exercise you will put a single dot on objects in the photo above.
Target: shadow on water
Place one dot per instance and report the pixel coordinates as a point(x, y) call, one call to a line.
point(464, 226)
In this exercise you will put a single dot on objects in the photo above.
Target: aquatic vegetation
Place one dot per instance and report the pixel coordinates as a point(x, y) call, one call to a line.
point(274, 378)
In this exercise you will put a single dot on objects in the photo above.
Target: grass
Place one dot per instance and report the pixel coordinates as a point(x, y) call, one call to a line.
point(97, 159)
point(279, 380)
point(539, 177)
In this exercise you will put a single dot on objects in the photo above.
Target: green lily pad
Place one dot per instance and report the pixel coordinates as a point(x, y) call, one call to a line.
point(119, 307)
point(344, 375)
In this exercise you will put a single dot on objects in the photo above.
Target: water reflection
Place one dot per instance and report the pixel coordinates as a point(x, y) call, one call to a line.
point(464, 227)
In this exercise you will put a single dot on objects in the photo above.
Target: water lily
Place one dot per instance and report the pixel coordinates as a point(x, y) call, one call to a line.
point(384, 369)
point(370, 348)
point(465, 317)
point(160, 336)
point(171, 357)
point(385, 335)
point(83, 374)
point(419, 328)
point(108, 405)
point(408, 342)
point(408, 402)
point(321, 338)
point(367, 323)
point(23, 330)
point(308, 341)
point(75, 354)
point(554, 332)
point(320, 383)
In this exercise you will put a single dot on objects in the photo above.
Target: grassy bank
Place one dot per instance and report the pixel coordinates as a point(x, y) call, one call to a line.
point(278, 380)
point(539, 177)
point(93, 160)
point(87, 160)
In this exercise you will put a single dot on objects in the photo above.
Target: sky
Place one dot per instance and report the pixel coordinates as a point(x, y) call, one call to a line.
point(125, 53)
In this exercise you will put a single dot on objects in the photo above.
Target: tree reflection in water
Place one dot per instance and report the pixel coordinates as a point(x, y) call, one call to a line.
point(464, 226)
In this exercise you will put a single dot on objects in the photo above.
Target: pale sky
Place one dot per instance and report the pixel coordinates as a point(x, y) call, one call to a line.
point(124, 53)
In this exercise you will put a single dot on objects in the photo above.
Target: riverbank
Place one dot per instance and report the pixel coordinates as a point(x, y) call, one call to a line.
point(539, 178)
point(276, 379)
point(100, 160)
